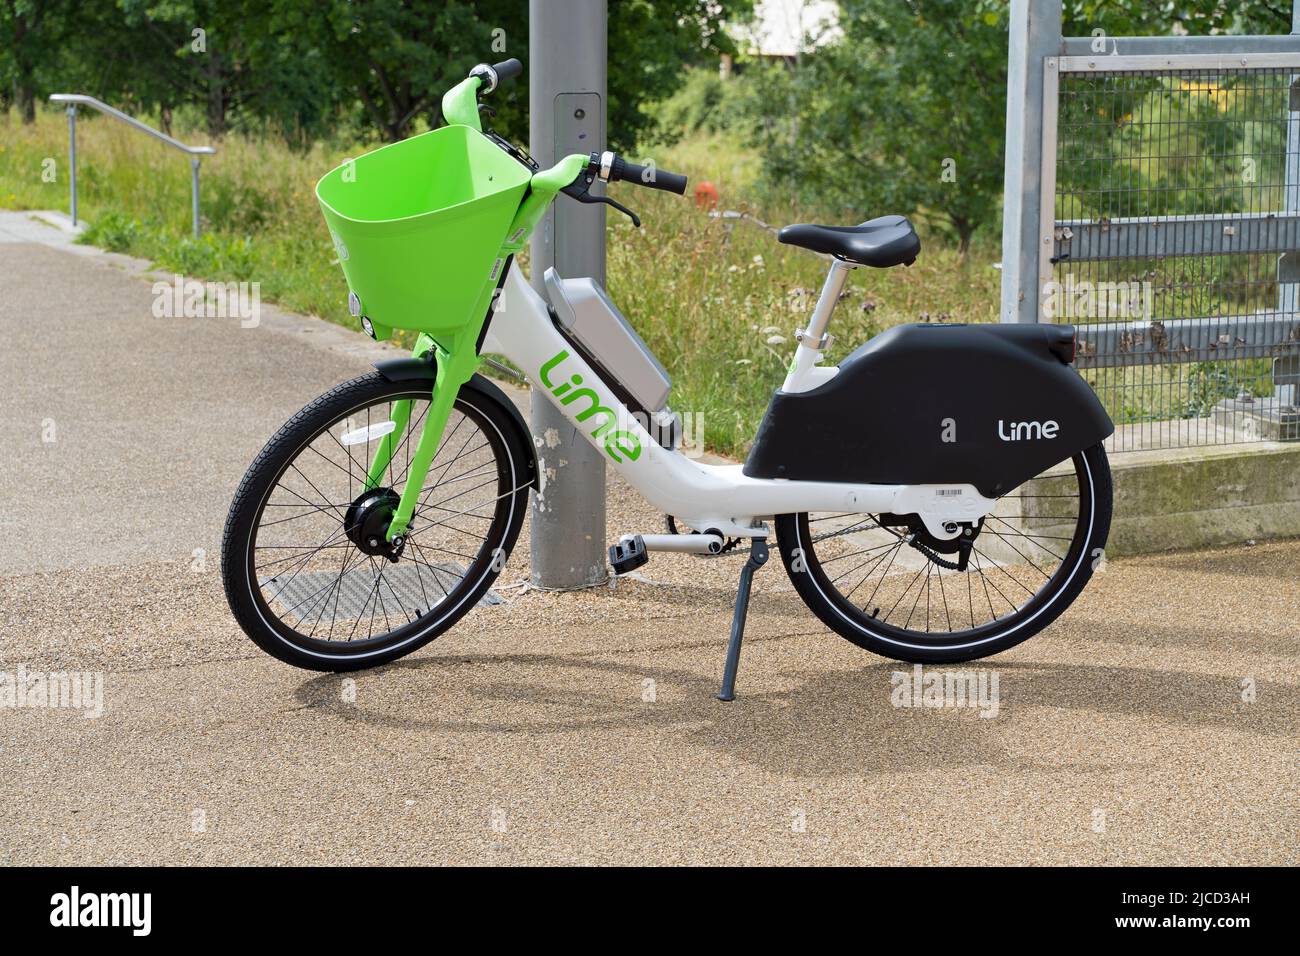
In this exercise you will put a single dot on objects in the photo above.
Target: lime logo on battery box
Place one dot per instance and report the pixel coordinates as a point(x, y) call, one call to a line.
point(1027, 431)
point(616, 442)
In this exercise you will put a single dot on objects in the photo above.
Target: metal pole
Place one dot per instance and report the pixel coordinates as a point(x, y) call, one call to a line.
point(567, 57)
point(1035, 33)
point(72, 159)
point(194, 192)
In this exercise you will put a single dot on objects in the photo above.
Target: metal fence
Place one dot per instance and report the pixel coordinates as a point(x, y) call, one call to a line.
point(1163, 219)
point(1172, 246)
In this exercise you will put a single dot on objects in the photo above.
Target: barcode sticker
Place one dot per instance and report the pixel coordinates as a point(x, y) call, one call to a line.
point(947, 492)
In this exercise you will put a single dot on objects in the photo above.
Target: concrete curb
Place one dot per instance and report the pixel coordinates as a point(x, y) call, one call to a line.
point(1204, 497)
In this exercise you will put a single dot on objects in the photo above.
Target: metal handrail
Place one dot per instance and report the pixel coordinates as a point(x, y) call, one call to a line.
point(194, 152)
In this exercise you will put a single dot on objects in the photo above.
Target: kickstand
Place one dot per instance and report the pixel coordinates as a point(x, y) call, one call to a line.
point(757, 558)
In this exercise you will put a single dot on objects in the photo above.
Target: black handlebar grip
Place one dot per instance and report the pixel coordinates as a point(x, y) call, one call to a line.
point(649, 176)
point(508, 69)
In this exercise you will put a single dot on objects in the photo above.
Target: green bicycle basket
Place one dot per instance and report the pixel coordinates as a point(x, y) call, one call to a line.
point(418, 224)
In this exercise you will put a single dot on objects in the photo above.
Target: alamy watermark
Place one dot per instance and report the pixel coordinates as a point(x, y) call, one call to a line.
point(133, 911)
point(73, 690)
point(1083, 299)
point(920, 688)
point(192, 299)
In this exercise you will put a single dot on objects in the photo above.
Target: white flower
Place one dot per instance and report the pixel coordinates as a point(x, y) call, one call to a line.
point(776, 340)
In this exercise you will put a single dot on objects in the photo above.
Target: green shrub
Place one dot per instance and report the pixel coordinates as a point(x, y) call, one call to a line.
point(113, 230)
point(706, 103)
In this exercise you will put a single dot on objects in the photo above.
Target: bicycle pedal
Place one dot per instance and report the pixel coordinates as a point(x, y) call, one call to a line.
point(628, 555)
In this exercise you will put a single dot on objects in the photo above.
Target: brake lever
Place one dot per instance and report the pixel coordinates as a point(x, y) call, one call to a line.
point(636, 220)
point(580, 188)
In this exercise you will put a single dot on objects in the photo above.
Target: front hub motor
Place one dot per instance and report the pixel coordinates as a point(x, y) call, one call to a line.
point(367, 520)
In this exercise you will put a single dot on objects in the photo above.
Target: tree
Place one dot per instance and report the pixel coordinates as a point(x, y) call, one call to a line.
point(399, 56)
point(308, 67)
point(902, 114)
point(31, 33)
point(235, 58)
point(1193, 17)
point(652, 43)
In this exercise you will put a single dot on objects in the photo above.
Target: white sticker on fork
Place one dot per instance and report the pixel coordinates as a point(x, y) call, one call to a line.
point(361, 436)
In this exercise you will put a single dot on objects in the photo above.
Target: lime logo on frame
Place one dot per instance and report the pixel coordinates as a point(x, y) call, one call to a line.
point(616, 442)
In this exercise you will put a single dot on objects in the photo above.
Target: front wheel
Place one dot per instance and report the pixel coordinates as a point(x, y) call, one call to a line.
point(307, 570)
point(882, 582)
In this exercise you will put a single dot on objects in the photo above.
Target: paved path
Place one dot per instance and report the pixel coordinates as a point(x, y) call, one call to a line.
point(559, 727)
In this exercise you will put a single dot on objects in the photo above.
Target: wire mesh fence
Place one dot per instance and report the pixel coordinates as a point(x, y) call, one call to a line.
point(1174, 253)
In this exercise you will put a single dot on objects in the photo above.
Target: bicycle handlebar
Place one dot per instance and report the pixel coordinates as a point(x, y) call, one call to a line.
point(620, 170)
point(508, 69)
point(490, 77)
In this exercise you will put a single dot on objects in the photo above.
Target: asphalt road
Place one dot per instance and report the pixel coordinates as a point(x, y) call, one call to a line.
point(1155, 723)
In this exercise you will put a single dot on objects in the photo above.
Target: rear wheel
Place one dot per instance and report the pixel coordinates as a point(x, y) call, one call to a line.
point(307, 570)
point(883, 583)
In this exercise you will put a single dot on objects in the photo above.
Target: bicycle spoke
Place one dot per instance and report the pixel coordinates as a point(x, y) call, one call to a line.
point(425, 563)
point(324, 497)
point(999, 567)
point(310, 552)
point(854, 554)
point(874, 562)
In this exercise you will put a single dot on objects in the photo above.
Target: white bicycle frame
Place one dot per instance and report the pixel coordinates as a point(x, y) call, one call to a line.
point(716, 499)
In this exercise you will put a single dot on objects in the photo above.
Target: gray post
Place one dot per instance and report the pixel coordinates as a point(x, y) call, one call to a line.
point(1035, 34)
point(72, 159)
point(194, 192)
point(567, 58)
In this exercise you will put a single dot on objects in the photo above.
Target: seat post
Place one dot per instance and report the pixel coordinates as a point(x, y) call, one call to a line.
point(813, 339)
point(831, 290)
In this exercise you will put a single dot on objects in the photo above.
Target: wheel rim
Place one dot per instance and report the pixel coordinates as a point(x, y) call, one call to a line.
point(1026, 553)
point(321, 592)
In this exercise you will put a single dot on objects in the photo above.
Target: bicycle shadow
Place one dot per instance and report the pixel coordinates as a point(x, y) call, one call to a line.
point(824, 723)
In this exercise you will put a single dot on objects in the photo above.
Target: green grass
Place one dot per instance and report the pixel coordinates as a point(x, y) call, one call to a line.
point(706, 295)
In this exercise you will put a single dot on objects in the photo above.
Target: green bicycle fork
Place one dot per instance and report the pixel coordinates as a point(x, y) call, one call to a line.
point(455, 366)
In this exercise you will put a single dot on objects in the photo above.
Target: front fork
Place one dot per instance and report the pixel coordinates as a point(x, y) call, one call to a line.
point(455, 365)
point(458, 360)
